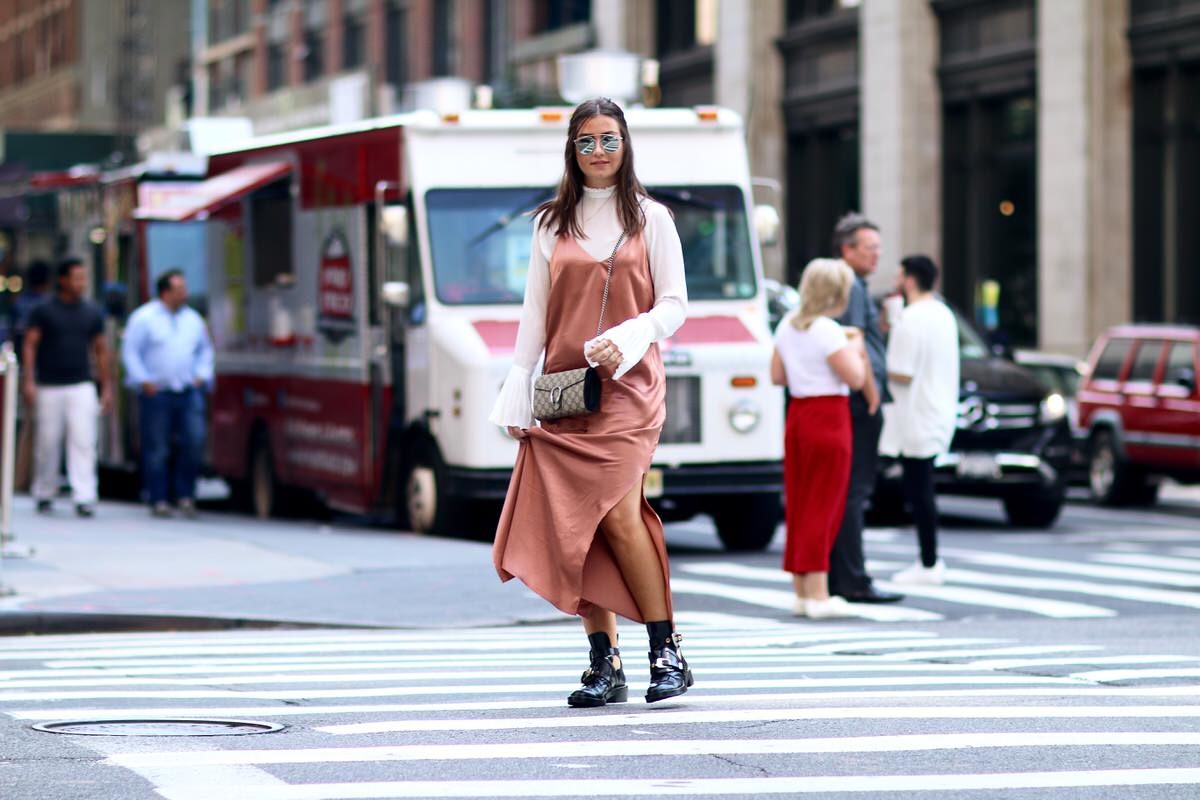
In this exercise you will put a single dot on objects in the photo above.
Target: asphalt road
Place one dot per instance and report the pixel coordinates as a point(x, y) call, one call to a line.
point(1061, 664)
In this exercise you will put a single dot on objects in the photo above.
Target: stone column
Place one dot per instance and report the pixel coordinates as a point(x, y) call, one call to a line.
point(1084, 172)
point(608, 22)
point(901, 131)
point(748, 78)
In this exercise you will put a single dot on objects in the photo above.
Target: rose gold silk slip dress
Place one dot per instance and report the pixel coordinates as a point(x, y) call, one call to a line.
point(571, 472)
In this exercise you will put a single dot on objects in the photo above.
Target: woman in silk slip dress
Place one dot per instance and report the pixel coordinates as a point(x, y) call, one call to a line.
point(576, 527)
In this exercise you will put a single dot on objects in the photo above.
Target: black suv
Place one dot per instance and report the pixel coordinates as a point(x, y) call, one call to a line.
point(1013, 441)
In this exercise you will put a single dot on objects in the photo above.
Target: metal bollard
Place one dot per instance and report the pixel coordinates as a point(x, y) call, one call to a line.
point(9, 373)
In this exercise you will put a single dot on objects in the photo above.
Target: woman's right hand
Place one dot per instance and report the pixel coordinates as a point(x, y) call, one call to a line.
point(517, 433)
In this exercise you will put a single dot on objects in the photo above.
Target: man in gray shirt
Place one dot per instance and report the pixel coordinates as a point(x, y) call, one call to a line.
point(856, 241)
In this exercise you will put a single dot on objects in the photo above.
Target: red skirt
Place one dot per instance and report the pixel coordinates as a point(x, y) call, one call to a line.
point(817, 450)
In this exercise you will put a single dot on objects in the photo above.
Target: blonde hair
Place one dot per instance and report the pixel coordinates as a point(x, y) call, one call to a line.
point(824, 291)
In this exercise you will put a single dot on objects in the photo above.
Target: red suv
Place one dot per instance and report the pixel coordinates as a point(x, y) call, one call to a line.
point(1140, 407)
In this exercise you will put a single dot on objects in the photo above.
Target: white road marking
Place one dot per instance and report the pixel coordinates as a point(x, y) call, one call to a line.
point(951, 594)
point(1170, 597)
point(1113, 675)
point(655, 787)
point(669, 747)
point(1146, 560)
point(783, 601)
point(664, 717)
point(1063, 567)
point(1014, 663)
point(23, 696)
point(1168, 693)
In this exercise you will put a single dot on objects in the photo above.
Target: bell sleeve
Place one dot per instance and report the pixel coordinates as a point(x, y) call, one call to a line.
point(514, 406)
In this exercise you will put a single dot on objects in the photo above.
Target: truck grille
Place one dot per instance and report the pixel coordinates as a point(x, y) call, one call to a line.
point(683, 411)
point(979, 414)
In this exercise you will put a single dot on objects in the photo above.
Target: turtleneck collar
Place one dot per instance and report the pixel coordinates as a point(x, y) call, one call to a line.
point(599, 194)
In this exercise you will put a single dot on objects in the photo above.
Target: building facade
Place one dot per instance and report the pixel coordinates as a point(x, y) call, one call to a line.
point(97, 65)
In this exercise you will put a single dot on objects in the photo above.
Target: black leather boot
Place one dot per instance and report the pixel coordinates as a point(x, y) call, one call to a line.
point(603, 682)
point(669, 672)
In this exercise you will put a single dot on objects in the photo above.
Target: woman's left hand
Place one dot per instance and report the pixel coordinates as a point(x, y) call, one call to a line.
point(605, 353)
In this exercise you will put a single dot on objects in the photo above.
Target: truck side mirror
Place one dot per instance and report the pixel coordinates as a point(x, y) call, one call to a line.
point(395, 294)
point(393, 221)
point(766, 223)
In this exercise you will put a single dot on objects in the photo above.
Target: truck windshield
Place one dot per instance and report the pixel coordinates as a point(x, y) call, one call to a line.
point(480, 241)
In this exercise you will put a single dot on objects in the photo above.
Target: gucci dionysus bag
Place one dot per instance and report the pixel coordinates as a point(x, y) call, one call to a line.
point(575, 391)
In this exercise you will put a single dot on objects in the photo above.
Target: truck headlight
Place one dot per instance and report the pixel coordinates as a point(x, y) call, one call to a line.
point(1053, 408)
point(744, 416)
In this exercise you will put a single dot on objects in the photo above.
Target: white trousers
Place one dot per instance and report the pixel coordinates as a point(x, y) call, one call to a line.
point(70, 412)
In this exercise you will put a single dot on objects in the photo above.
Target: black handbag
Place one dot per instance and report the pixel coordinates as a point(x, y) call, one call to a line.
point(573, 392)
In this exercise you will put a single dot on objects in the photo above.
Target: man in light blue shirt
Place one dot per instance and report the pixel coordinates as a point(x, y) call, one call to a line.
point(168, 358)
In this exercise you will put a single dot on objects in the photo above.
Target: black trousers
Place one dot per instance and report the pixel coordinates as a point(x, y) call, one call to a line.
point(918, 490)
point(847, 565)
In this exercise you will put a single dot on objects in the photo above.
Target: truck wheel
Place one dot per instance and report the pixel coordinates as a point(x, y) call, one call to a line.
point(426, 506)
point(747, 522)
point(1113, 480)
point(264, 488)
point(1035, 508)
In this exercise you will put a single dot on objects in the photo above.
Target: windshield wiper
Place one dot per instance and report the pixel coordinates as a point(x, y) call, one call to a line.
point(505, 219)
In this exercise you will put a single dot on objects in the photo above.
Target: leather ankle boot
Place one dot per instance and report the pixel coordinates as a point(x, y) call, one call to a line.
point(670, 675)
point(604, 681)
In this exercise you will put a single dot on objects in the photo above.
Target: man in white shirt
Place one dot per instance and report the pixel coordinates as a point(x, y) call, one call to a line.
point(922, 363)
point(168, 359)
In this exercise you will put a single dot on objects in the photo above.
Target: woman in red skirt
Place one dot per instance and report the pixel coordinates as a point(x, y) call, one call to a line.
point(819, 362)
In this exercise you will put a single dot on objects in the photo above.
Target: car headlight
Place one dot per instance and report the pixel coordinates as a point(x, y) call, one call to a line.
point(744, 416)
point(1053, 408)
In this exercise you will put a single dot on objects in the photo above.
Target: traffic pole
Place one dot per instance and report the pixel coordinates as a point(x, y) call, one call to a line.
point(8, 428)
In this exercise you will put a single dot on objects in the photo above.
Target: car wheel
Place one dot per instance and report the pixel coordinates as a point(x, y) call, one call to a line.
point(426, 505)
point(1035, 508)
point(1112, 480)
point(747, 522)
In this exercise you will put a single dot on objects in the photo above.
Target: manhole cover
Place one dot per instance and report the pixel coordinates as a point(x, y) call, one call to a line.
point(159, 727)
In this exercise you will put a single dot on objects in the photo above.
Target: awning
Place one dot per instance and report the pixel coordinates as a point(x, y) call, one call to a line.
point(182, 202)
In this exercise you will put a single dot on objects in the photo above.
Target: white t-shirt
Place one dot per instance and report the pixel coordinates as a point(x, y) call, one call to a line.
point(921, 419)
point(805, 357)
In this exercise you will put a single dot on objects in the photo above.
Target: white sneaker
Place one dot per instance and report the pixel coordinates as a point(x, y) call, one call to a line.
point(920, 575)
point(833, 608)
point(798, 609)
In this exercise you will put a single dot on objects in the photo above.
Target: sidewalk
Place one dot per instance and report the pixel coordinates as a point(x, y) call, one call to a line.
point(124, 569)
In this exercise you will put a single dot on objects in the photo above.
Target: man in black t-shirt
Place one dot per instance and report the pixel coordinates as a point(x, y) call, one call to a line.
point(62, 333)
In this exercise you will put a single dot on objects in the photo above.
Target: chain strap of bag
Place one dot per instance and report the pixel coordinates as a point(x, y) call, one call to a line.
point(575, 391)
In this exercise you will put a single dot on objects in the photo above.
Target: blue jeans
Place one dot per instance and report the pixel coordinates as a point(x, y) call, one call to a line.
point(171, 418)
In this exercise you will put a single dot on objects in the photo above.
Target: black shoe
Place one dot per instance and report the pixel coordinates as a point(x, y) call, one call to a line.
point(45, 506)
point(670, 675)
point(603, 682)
point(870, 595)
point(85, 510)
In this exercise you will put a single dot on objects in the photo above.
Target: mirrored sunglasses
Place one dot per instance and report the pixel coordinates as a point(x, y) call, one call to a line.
point(586, 145)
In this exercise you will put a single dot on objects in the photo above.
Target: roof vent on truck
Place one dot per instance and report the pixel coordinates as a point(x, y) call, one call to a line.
point(600, 73)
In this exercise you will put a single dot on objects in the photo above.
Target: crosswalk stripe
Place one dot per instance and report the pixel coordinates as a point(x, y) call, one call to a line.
point(591, 749)
point(783, 601)
point(1113, 675)
point(24, 696)
point(1172, 694)
point(666, 717)
point(1142, 594)
point(1146, 560)
point(951, 594)
point(1063, 567)
point(1015, 663)
point(655, 787)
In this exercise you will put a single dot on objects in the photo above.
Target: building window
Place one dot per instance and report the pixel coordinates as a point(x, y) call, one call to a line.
point(551, 15)
point(396, 68)
point(799, 11)
point(444, 40)
point(314, 55)
point(823, 184)
point(354, 42)
point(276, 66)
point(685, 24)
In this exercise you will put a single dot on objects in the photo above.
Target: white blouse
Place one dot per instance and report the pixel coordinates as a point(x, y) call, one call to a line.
point(633, 337)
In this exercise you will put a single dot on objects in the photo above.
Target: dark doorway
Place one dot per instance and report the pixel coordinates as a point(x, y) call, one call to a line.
point(822, 186)
point(990, 208)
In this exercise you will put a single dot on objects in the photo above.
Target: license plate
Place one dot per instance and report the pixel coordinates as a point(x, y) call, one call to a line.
point(977, 465)
point(652, 486)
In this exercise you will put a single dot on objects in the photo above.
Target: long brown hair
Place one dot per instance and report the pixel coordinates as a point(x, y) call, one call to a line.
point(559, 214)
